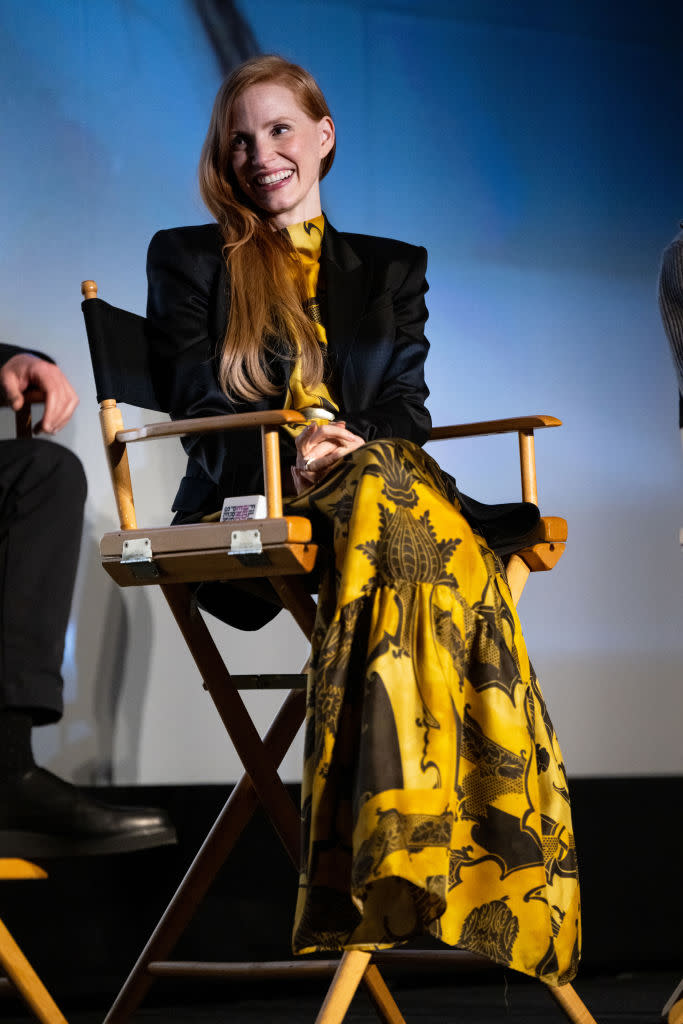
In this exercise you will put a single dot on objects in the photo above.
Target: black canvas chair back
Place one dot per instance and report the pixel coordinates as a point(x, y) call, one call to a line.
point(120, 347)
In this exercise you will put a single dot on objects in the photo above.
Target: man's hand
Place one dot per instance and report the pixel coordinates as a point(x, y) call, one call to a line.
point(25, 371)
point(318, 448)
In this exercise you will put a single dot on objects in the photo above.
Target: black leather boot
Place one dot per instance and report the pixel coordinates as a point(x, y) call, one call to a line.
point(43, 816)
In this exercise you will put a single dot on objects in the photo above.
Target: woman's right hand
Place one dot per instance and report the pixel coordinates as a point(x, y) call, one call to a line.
point(318, 449)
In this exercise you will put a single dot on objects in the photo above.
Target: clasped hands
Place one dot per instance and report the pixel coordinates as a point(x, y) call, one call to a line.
point(318, 448)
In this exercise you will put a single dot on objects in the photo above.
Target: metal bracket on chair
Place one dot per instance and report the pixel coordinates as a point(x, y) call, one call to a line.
point(245, 542)
point(137, 553)
point(247, 547)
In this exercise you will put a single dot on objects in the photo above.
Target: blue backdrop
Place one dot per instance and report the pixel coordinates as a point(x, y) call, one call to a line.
point(536, 153)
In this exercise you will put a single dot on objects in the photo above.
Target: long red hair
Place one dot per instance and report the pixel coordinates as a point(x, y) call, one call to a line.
point(267, 295)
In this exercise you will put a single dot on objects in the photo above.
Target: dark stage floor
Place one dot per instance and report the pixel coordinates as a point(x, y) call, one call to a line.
point(623, 999)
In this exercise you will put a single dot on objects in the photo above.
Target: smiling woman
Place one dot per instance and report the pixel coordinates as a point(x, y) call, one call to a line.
point(434, 794)
point(264, 100)
point(276, 153)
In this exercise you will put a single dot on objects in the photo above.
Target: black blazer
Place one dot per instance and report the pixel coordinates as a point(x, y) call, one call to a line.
point(373, 291)
point(374, 314)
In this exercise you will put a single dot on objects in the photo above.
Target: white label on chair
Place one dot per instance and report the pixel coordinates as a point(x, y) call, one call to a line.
point(245, 542)
point(250, 506)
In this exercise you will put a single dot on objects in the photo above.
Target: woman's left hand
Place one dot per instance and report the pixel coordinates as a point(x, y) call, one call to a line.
point(318, 449)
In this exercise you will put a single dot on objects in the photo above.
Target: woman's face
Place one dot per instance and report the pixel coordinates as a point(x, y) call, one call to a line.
point(276, 149)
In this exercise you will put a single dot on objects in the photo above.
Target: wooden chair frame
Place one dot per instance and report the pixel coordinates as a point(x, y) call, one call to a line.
point(23, 418)
point(672, 1012)
point(21, 978)
point(261, 785)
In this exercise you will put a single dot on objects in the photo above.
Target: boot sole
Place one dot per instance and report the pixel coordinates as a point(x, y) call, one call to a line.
point(16, 843)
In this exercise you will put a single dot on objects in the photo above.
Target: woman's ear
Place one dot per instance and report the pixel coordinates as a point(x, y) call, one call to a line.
point(327, 135)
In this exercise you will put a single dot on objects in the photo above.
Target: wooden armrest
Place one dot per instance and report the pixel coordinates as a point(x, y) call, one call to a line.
point(507, 426)
point(14, 867)
point(31, 397)
point(207, 424)
point(22, 417)
point(550, 530)
point(523, 426)
point(116, 437)
point(34, 397)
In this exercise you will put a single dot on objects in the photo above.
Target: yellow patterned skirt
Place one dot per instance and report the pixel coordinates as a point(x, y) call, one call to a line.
point(434, 795)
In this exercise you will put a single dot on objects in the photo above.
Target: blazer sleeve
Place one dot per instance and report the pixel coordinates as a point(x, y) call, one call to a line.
point(7, 351)
point(397, 408)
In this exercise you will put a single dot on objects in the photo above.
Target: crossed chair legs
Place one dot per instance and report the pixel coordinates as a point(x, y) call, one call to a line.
point(356, 966)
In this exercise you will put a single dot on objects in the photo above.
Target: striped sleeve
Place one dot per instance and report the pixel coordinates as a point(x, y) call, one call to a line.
point(671, 301)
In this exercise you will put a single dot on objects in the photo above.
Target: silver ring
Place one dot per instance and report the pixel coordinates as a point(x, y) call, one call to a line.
point(308, 462)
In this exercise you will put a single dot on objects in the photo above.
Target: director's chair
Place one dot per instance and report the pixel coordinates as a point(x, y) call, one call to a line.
point(282, 549)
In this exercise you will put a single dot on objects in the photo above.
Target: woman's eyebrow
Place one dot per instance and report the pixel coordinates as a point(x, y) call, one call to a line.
point(266, 124)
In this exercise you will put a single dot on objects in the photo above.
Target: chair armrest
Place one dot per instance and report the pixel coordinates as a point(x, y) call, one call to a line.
point(523, 426)
point(15, 867)
point(207, 424)
point(116, 437)
point(507, 426)
point(268, 420)
point(23, 417)
point(32, 396)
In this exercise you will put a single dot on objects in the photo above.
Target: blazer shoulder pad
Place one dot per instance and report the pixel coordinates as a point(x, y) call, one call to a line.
point(382, 248)
point(193, 238)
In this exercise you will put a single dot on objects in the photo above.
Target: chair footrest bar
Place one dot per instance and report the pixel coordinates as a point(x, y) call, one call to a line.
point(418, 959)
point(423, 958)
point(237, 969)
point(280, 681)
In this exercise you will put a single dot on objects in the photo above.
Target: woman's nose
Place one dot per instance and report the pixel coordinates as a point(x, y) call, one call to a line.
point(261, 151)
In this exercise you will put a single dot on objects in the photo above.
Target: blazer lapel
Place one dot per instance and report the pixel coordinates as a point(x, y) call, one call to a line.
point(346, 285)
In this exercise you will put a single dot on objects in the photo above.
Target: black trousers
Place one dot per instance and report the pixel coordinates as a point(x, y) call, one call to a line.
point(42, 494)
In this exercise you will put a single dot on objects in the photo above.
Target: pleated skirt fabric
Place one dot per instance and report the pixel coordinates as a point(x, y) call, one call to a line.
point(435, 797)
